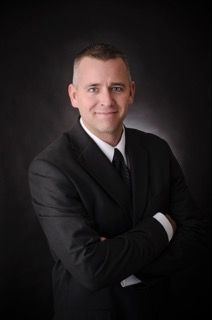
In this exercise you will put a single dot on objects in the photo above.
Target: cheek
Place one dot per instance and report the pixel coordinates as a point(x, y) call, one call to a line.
point(124, 102)
point(87, 103)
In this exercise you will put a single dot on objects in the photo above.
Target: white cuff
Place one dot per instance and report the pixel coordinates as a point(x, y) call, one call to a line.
point(129, 281)
point(160, 217)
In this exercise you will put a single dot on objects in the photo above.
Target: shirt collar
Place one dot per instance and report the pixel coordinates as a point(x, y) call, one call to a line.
point(106, 148)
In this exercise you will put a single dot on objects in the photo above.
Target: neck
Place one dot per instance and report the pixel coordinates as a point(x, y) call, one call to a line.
point(109, 138)
point(112, 137)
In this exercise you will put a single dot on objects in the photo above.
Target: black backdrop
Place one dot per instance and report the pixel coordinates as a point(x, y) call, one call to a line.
point(169, 46)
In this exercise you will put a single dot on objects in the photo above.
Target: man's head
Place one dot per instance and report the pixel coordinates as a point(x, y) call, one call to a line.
point(102, 90)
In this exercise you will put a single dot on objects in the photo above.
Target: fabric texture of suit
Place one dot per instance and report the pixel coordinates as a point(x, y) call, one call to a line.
point(78, 197)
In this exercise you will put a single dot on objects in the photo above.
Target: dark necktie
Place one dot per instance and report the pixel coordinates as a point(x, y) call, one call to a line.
point(119, 164)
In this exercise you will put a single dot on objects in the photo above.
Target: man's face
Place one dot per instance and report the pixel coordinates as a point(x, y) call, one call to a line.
point(102, 92)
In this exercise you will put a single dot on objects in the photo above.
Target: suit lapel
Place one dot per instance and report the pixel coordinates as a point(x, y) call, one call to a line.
point(96, 164)
point(138, 160)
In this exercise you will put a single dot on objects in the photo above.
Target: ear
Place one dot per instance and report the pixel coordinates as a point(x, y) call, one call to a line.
point(132, 92)
point(72, 92)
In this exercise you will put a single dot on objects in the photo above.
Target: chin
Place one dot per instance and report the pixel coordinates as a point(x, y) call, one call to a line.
point(107, 129)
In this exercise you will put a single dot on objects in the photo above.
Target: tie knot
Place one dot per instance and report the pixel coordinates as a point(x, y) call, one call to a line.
point(118, 157)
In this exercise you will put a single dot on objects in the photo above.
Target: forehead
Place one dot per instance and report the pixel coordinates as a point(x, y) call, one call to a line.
point(96, 68)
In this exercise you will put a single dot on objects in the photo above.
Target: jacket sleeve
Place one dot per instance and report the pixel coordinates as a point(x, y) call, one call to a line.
point(189, 244)
point(73, 239)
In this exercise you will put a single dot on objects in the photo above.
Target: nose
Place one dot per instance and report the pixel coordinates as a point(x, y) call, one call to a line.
point(106, 98)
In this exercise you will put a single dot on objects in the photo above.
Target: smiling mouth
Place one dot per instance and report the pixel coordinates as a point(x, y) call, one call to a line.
point(106, 113)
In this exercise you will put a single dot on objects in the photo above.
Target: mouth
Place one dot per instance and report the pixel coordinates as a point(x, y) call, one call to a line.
point(105, 113)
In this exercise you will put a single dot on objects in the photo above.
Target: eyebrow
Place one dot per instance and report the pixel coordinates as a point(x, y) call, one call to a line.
point(92, 85)
point(118, 84)
point(112, 84)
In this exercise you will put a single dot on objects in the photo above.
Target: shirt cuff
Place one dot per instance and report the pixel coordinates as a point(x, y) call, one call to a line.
point(160, 217)
point(129, 281)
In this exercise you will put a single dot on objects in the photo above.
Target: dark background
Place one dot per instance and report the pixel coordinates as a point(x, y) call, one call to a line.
point(169, 46)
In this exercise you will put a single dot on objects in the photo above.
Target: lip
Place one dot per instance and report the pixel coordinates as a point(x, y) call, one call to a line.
point(106, 113)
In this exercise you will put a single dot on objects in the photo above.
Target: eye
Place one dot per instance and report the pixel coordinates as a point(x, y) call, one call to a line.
point(92, 89)
point(117, 88)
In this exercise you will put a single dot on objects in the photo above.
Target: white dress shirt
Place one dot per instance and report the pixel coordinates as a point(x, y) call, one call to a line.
point(108, 150)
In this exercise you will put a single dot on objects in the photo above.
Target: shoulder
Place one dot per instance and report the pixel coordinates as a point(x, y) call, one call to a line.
point(56, 155)
point(148, 140)
point(57, 148)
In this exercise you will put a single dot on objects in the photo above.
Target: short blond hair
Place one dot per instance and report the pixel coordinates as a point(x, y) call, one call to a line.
point(101, 51)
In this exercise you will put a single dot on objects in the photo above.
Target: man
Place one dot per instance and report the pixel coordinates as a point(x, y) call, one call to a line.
point(115, 235)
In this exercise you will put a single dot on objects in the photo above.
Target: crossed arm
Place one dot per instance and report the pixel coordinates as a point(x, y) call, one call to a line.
point(170, 219)
point(93, 262)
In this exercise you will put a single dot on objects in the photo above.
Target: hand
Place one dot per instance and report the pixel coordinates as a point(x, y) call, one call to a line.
point(173, 223)
point(103, 238)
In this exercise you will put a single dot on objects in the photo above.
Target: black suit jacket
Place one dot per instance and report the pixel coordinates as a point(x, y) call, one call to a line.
point(78, 197)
